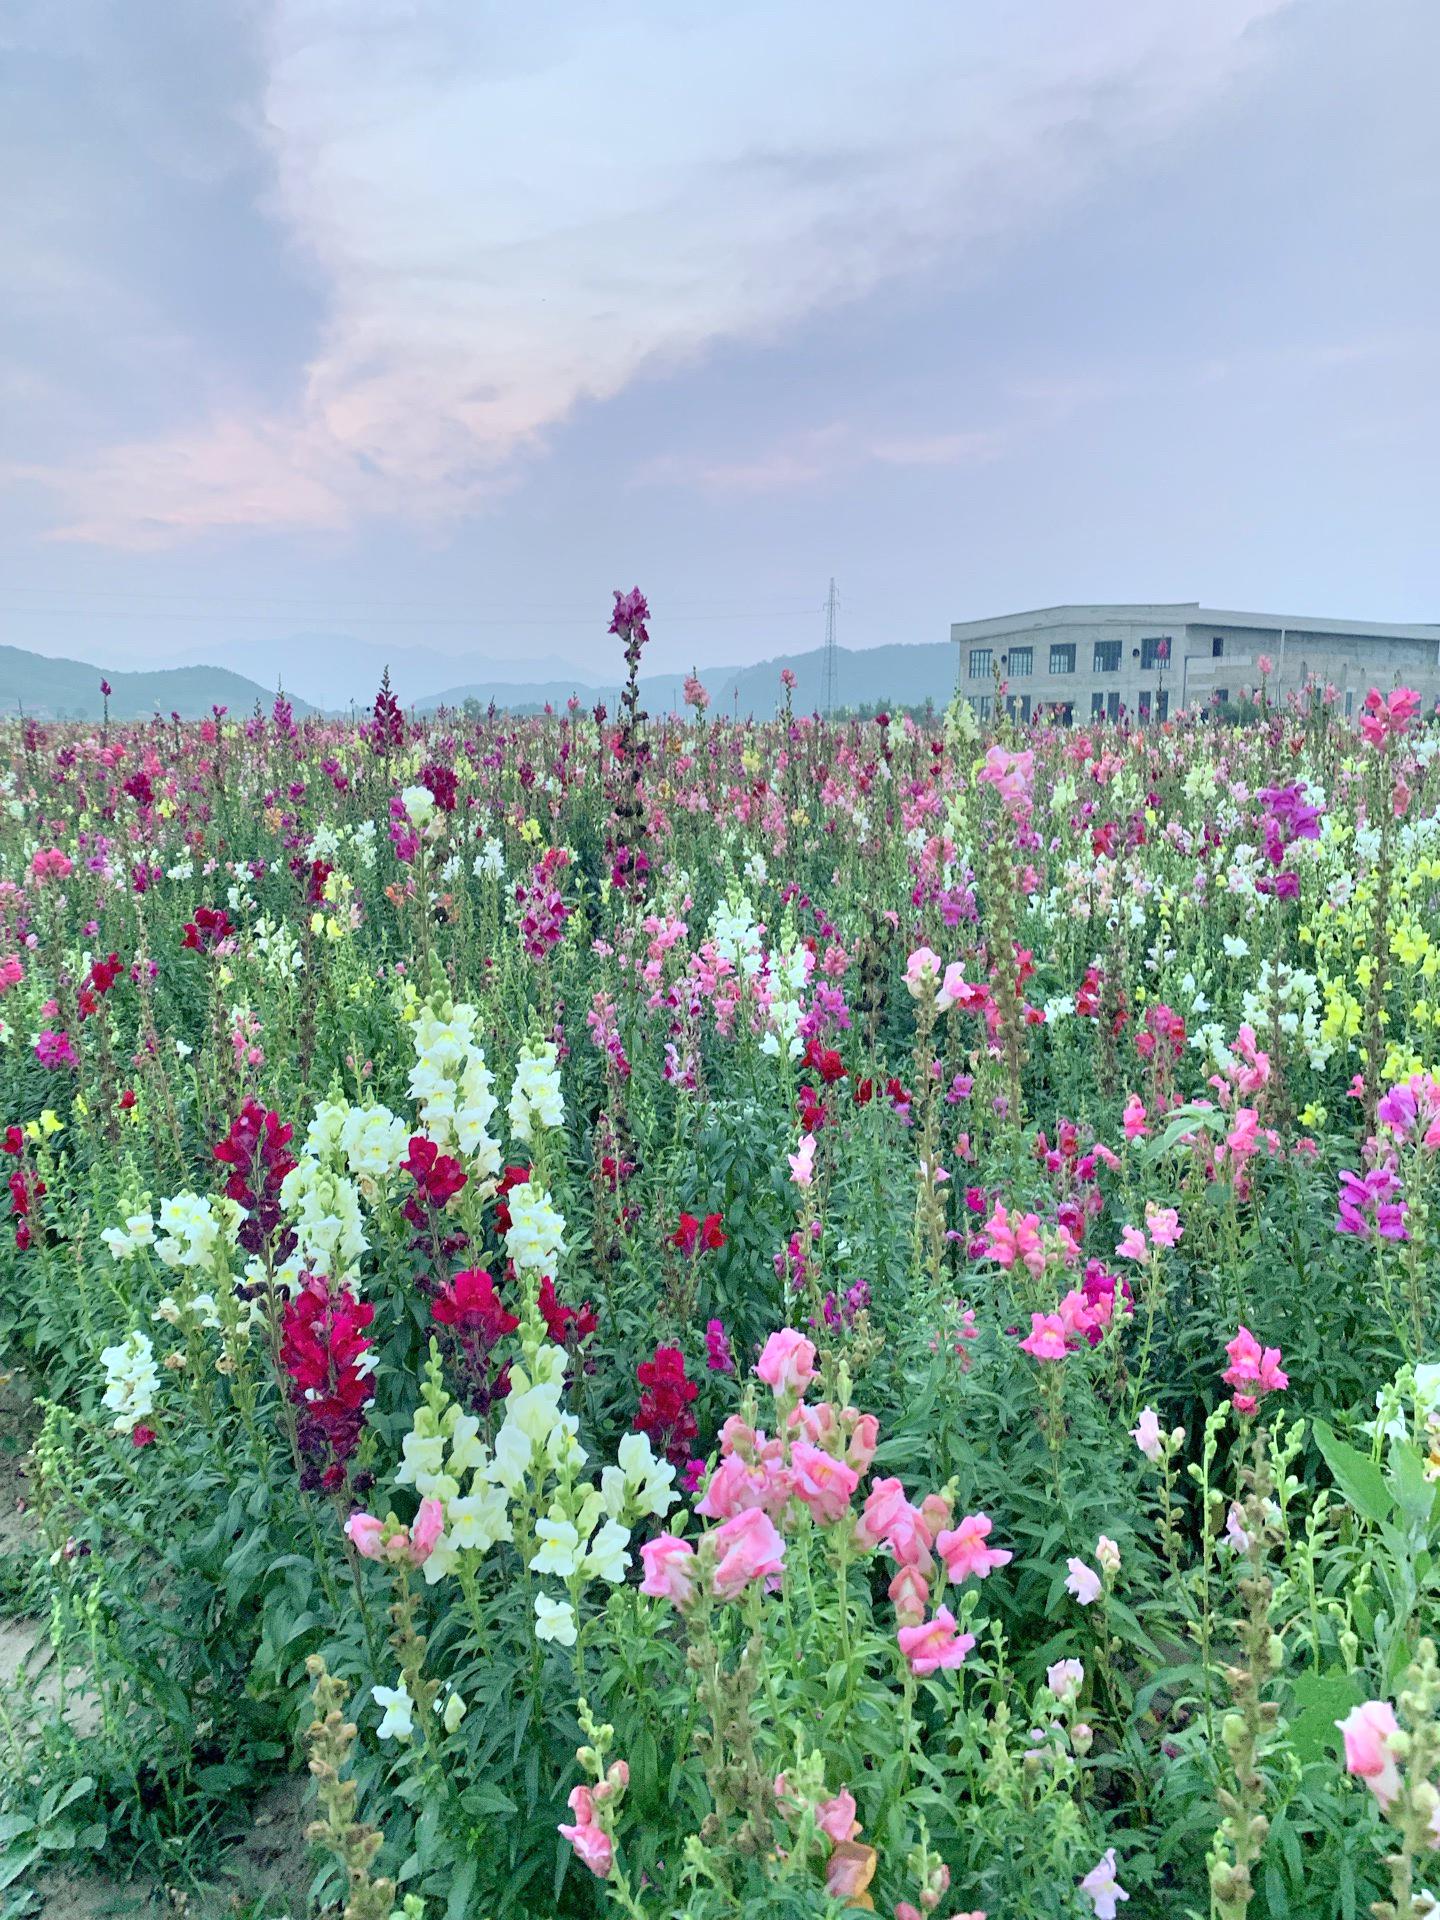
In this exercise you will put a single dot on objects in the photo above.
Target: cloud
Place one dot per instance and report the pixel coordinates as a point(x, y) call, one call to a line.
point(821, 456)
point(511, 219)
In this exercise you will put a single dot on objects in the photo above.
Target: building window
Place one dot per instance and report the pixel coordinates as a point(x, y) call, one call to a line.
point(1145, 705)
point(1222, 696)
point(1097, 706)
point(1154, 653)
point(1064, 710)
point(1349, 705)
point(1017, 705)
point(981, 703)
point(1113, 706)
point(1107, 656)
point(1162, 706)
point(981, 661)
point(1021, 662)
point(1062, 659)
point(1217, 647)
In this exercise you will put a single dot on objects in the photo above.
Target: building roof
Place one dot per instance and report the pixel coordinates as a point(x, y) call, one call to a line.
point(1186, 613)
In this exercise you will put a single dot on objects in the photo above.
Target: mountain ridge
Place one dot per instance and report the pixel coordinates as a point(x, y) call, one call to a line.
point(894, 674)
point(50, 688)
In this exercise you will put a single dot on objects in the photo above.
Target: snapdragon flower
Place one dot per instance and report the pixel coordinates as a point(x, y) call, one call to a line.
point(131, 1381)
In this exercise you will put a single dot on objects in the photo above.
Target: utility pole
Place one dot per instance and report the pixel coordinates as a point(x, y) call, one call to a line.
point(830, 675)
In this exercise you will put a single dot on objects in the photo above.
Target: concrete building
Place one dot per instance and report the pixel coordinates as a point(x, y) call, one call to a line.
point(1084, 663)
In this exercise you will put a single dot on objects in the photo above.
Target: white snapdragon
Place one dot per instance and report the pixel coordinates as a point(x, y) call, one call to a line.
point(555, 1620)
point(419, 805)
point(557, 1548)
point(324, 1208)
point(125, 1242)
point(374, 1142)
point(444, 1459)
point(490, 861)
point(397, 1709)
point(451, 1084)
point(638, 1484)
point(605, 1557)
point(736, 935)
point(193, 1230)
point(789, 971)
point(278, 948)
point(535, 1100)
point(1289, 997)
point(363, 844)
point(131, 1380)
point(536, 1237)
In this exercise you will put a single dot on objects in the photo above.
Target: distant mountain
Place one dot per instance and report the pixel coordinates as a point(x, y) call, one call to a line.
point(70, 690)
point(658, 693)
point(887, 676)
point(897, 675)
point(335, 669)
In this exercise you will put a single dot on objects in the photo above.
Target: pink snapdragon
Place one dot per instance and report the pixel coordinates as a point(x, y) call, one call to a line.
point(1411, 1111)
point(1252, 1371)
point(1385, 717)
point(1065, 1678)
point(747, 1548)
point(1162, 1224)
point(889, 1517)
point(669, 1570)
point(935, 1643)
point(1082, 1581)
point(787, 1364)
point(802, 1162)
point(1147, 1434)
point(965, 1553)
point(592, 1844)
point(1368, 1730)
point(923, 971)
point(1011, 775)
point(49, 863)
point(386, 1539)
point(1008, 1238)
point(822, 1483)
point(836, 1817)
point(1046, 1338)
point(1100, 1886)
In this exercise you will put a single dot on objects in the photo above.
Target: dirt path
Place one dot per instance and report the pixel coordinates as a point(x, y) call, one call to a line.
point(263, 1876)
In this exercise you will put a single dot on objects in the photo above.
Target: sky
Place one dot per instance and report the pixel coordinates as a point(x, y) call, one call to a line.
point(431, 325)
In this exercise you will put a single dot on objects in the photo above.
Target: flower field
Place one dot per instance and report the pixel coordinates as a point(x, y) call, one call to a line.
point(708, 1318)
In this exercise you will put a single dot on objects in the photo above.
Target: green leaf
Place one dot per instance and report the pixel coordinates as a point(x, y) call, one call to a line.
point(461, 1887)
point(1320, 1700)
point(1414, 1495)
point(12, 1868)
point(1356, 1475)
point(1186, 1120)
point(1275, 1894)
